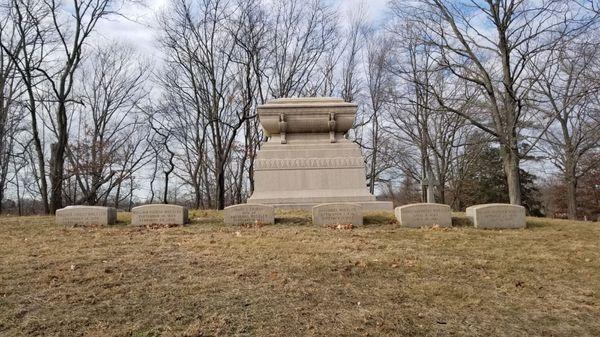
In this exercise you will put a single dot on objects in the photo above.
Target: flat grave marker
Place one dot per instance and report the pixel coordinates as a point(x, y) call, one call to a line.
point(424, 215)
point(337, 214)
point(80, 215)
point(159, 214)
point(249, 214)
point(502, 216)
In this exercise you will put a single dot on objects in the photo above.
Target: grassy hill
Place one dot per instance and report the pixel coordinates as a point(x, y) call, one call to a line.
point(296, 279)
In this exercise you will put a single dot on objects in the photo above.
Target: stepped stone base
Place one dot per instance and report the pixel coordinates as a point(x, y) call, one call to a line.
point(367, 206)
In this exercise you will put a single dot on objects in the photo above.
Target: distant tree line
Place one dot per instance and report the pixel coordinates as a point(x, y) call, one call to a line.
point(487, 101)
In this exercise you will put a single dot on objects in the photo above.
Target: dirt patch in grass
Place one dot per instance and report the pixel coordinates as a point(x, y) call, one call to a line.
point(295, 279)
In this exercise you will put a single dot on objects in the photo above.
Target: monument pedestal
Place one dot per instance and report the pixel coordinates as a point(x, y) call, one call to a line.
point(307, 160)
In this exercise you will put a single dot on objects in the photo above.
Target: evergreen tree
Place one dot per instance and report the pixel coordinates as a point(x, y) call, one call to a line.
point(486, 183)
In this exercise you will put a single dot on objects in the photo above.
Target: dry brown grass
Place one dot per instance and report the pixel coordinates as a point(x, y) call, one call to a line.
point(295, 279)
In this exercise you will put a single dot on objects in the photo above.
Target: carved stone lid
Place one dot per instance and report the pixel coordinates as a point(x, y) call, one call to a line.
point(306, 114)
point(306, 101)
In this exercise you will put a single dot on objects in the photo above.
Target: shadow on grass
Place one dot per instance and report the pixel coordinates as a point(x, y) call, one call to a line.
point(379, 218)
point(293, 220)
point(461, 221)
point(122, 223)
point(535, 223)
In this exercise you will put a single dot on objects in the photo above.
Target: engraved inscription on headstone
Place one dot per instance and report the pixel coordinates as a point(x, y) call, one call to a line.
point(86, 216)
point(337, 214)
point(424, 215)
point(159, 214)
point(497, 216)
point(248, 214)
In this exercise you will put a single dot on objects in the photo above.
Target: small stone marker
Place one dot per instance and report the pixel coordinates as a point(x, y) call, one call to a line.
point(159, 214)
point(424, 215)
point(337, 214)
point(86, 216)
point(497, 216)
point(249, 214)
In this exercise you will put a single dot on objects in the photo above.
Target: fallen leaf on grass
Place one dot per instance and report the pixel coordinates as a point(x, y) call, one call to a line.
point(161, 226)
point(438, 228)
point(90, 226)
point(409, 263)
point(256, 225)
point(343, 227)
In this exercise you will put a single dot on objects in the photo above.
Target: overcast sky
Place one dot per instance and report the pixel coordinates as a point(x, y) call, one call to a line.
point(137, 27)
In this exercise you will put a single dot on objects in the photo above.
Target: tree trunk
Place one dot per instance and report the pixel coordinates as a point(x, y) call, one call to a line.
point(166, 191)
point(442, 190)
point(374, 157)
point(118, 194)
point(56, 177)
point(207, 186)
point(167, 173)
point(197, 195)
point(220, 186)
point(251, 174)
point(131, 188)
point(92, 196)
point(510, 160)
point(571, 182)
point(240, 182)
point(40, 156)
point(58, 159)
point(19, 204)
point(430, 194)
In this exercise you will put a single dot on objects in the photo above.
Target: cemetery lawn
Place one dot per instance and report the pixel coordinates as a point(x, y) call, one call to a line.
point(296, 279)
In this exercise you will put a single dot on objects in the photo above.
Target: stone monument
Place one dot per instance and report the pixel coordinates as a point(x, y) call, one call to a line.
point(80, 215)
point(307, 160)
point(497, 216)
point(159, 214)
point(424, 215)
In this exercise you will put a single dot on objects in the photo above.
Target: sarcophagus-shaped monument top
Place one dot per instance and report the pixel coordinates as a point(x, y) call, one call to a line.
point(307, 115)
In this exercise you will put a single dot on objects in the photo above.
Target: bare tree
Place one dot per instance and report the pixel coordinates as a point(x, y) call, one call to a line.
point(72, 33)
point(569, 88)
point(495, 58)
point(106, 151)
point(417, 119)
point(301, 34)
point(218, 72)
point(379, 85)
point(53, 40)
point(9, 112)
point(351, 58)
point(162, 147)
point(27, 50)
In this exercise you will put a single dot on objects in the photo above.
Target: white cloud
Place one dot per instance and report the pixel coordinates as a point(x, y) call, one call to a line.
point(135, 26)
point(374, 9)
